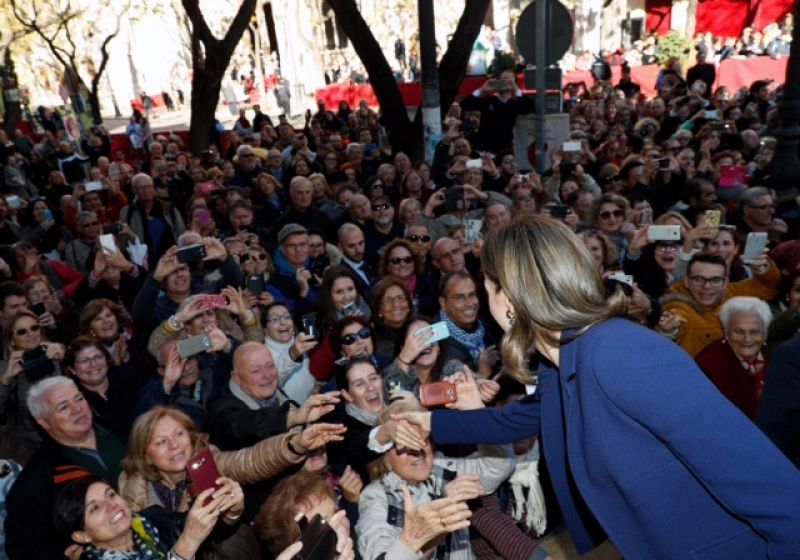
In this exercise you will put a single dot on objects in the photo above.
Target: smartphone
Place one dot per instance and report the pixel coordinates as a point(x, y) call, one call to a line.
point(92, 186)
point(474, 164)
point(255, 284)
point(454, 199)
point(645, 216)
point(471, 230)
point(622, 277)
point(560, 211)
point(203, 218)
point(433, 395)
point(108, 243)
point(37, 308)
point(36, 365)
point(439, 331)
point(712, 218)
point(206, 187)
point(755, 244)
point(214, 301)
point(112, 229)
point(712, 115)
point(350, 309)
point(47, 214)
point(664, 233)
point(663, 163)
point(494, 83)
point(310, 325)
point(13, 202)
point(732, 175)
point(193, 346)
point(571, 146)
point(203, 472)
point(191, 253)
point(318, 538)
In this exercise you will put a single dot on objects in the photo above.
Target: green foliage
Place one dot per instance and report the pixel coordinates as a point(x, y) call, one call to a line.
point(673, 44)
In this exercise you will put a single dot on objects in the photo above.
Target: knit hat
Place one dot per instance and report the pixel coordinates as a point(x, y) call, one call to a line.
point(290, 229)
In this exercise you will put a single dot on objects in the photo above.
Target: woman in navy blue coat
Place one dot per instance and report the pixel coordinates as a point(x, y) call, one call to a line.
point(640, 446)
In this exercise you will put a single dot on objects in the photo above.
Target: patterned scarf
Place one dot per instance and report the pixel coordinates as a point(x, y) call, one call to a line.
point(145, 544)
point(472, 341)
point(170, 497)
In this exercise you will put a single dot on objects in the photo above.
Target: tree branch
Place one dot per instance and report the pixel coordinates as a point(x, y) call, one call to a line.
point(199, 26)
point(237, 28)
point(454, 62)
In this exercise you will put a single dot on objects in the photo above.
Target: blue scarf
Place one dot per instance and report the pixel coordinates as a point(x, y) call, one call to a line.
point(472, 341)
point(145, 544)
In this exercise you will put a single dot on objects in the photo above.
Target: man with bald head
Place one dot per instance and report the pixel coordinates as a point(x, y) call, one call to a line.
point(301, 210)
point(248, 410)
point(448, 256)
point(156, 223)
point(352, 245)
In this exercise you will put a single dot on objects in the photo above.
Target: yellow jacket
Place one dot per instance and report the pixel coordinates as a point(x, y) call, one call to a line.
point(702, 325)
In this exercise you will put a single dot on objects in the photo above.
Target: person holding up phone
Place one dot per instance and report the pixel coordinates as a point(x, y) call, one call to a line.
point(27, 357)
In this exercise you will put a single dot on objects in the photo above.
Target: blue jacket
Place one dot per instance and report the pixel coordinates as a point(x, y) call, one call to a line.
point(637, 439)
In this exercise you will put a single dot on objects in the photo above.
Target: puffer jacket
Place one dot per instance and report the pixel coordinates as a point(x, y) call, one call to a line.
point(246, 466)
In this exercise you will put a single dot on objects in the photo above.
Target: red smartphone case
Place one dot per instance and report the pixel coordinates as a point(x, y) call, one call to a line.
point(203, 472)
point(433, 395)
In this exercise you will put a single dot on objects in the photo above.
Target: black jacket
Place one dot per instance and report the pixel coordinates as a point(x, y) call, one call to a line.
point(233, 425)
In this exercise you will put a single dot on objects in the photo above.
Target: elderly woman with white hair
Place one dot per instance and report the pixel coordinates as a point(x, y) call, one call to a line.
point(736, 364)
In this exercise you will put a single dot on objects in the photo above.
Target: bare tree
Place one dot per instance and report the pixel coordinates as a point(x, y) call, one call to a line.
point(405, 134)
point(210, 58)
point(55, 26)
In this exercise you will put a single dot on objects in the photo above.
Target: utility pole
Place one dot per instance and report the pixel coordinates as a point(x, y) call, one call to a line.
point(542, 8)
point(431, 111)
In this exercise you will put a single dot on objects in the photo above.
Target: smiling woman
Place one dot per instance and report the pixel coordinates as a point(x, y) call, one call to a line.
point(88, 512)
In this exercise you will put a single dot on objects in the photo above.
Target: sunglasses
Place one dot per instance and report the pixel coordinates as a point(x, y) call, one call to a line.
point(379, 207)
point(616, 213)
point(31, 329)
point(398, 260)
point(351, 338)
point(419, 238)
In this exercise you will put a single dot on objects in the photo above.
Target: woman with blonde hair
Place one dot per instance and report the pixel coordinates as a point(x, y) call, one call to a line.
point(607, 390)
point(163, 440)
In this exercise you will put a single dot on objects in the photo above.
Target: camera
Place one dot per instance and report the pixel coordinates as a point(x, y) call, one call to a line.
point(319, 264)
point(36, 365)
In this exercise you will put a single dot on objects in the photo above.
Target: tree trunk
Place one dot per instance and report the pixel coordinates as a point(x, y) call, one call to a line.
point(94, 101)
point(205, 97)
point(404, 134)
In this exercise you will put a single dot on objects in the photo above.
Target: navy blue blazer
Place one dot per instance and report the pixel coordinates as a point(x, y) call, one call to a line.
point(637, 439)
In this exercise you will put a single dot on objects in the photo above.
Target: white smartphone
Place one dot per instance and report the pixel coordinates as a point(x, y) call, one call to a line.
point(664, 233)
point(712, 115)
point(571, 146)
point(108, 243)
point(622, 277)
point(439, 331)
point(474, 164)
point(13, 201)
point(471, 230)
point(94, 186)
point(755, 244)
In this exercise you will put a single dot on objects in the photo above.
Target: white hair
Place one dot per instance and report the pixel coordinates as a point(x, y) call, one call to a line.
point(745, 304)
point(39, 390)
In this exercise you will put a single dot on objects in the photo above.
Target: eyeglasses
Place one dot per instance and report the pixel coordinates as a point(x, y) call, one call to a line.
point(296, 246)
point(379, 207)
point(396, 300)
point(700, 281)
point(279, 319)
point(450, 255)
point(398, 260)
point(376, 186)
point(96, 359)
point(350, 339)
point(419, 238)
point(258, 257)
point(667, 247)
point(91, 224)
point(616, 213)
point(508, 160)
point(31, 329)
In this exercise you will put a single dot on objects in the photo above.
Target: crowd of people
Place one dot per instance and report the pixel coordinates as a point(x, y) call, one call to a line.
point(279, 303)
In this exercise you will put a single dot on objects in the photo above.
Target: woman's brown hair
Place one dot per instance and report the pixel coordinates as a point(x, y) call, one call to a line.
point(274, 523)
point(92, 309)
point(383, 266)
point(8, 330)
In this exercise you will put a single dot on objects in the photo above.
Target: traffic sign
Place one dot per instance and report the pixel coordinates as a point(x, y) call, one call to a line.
point(559, 26)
